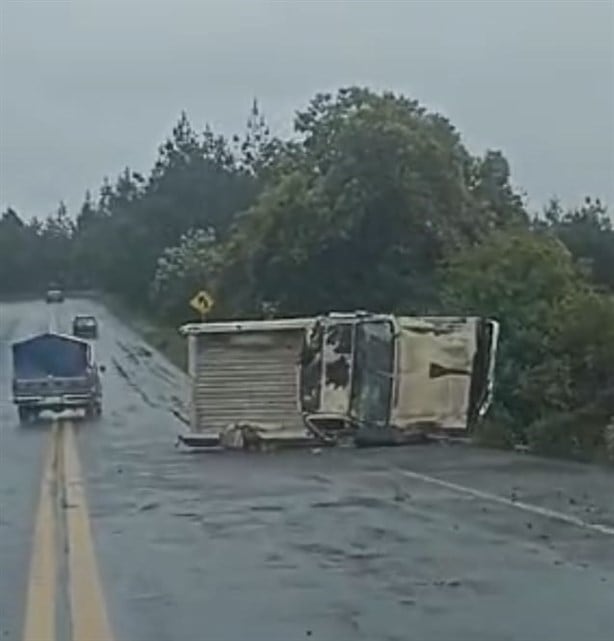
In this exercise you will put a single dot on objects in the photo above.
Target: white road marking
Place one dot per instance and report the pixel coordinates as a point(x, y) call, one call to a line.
point(519, 505)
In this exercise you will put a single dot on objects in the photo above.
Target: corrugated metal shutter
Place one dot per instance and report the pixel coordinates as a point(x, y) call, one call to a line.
point(247, 376)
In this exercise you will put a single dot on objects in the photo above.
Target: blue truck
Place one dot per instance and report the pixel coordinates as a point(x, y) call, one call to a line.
point(55, 372)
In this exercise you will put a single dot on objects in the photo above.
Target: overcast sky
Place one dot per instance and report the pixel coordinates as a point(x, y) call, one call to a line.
point(89, 86)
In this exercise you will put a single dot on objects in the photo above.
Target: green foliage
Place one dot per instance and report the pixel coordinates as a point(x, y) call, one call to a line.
point(16, 241)
point(196, 182)
point(587, 232)
point(362, 209)
point(34, 253)
point(183, 270)
point(557, 337)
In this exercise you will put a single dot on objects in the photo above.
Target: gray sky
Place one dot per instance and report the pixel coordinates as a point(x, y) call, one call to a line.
point(89, 86)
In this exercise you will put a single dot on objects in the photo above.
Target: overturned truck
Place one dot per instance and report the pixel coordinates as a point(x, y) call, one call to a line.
point(371, 378)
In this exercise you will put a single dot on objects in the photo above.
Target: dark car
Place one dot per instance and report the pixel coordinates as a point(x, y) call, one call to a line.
point(85, 326)
point(54, 296)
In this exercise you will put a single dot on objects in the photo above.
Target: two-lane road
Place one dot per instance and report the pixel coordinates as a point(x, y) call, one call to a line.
point(416, 543)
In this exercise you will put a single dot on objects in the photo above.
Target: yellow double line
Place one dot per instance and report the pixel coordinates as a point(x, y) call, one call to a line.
point(63, 503)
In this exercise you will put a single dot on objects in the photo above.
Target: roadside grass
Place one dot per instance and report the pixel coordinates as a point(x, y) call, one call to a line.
point(168, 341)
point(164, 338)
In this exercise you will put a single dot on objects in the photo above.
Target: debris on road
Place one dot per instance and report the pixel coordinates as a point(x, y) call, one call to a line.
point(262, 436)
point(450, 583)
point(151, 505)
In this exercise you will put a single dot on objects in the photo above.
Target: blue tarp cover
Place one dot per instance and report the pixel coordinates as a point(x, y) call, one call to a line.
point(50, 355)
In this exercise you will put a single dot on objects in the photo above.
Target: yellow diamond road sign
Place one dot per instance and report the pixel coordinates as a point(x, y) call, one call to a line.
point(202, 302)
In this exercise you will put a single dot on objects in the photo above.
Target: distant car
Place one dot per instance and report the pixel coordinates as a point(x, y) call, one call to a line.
point(54, 296)
point(85, 326)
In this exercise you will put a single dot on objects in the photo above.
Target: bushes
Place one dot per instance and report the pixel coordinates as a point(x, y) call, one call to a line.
point(182, 270)
point(555, 383)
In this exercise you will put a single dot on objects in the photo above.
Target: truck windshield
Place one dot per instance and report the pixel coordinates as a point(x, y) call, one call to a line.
point(49, 356)
point(373, 369)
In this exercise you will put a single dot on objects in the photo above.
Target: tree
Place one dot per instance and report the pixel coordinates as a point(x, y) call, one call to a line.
point(195, 183)
point(183, 270)
point(490, 184)
point(55, 246)
point(361, 210)
point(587, 232)
point(35, 252)
point(557, 337)
point(17, 242)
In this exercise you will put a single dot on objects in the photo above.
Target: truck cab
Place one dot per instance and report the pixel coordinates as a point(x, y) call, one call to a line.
point(393, 378)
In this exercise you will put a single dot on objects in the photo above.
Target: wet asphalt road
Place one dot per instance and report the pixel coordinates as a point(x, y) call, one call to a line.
point(328, 546)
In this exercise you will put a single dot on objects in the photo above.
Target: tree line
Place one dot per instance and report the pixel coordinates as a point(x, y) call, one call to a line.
point(374, 203)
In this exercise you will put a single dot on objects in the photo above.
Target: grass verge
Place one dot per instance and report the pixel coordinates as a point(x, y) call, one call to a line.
point(165, 338)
